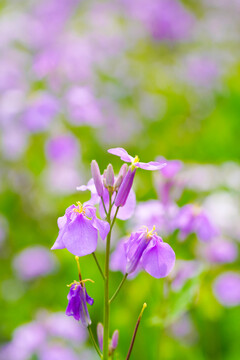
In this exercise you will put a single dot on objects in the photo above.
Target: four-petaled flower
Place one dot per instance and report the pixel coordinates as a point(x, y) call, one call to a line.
point(78, 230)
point(77, 303)
point(144, 250)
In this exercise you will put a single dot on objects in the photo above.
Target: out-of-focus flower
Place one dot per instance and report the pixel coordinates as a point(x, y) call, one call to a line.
point(63, 149)
point(183, 329)
point(77, 303)
point(166, 20)
point(61, 179)
point(83, 107)
point(226, 288)
point(153, 212)
point(202, 71)
point(78, 230)
point(14, 141)
point(146, 250)
point(219, 251)
point(183, 271)
point(193, 219)
point(57, 351)
point(40, 112)
point(61, 326)
point(33, 262)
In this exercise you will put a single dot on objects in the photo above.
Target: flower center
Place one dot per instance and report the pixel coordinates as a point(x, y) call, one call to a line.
point(135, 160)
point(77, 283)
point(196, 209)
point(151, 232)
point(80, 208)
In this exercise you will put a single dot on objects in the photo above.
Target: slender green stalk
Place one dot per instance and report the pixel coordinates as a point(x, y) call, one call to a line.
point(135, 331)
point(118, 288)
point(104, 206)
point(94, 342)
point(98, 265)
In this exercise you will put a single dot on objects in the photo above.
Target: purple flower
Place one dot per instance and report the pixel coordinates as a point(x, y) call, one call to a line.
point(183, 271)
point(145, 249)
point(115, 337)
point(135, 163)
point(34, 261)
point(97, 178)
point(62, 148)
point(40, 113)
point(124, 212)
point(220, 251)
point(227, 288)
point(193, 219)
point(78, 230)
point(57, 351)
point(127, 182)
point(171, 169)
point(77, 303)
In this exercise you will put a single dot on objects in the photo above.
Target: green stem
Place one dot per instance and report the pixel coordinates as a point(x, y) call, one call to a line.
point(94, 342)
point(104, 206)
point(118, 288)
point(135, 331)
point(98, 265)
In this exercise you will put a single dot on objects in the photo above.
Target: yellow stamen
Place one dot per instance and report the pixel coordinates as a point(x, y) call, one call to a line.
point(196, 210)
point(77, 283)
point(80, 208)
point(152, 232)
point(135, 160)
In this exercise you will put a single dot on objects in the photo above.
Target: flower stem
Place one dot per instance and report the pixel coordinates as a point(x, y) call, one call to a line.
point(135, 331)
point(118, 288)
point(94, 342)
point(98, 265)
point(104, 207)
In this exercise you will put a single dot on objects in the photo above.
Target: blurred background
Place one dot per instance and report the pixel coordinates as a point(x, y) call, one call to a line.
point(159, 78)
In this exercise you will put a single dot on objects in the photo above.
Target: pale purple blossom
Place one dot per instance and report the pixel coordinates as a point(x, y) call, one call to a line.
point(34, 261)
point(219, 251)
point(226, 288)
point(193, 219)
point(146, 250)
point(184, 270)
point(78, 230)
point(57, 352)
point(62, 148)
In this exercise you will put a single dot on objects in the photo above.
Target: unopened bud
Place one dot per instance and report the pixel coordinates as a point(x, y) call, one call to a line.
point(115, 339)
point(100, 335)
point(121, 176)
point(109, 175)
point(97, 177)
point(125, 188)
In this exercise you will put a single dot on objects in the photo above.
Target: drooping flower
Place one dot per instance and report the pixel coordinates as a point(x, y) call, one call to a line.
point(78, 230)
point(193, 219)
point(145, 250)
point(77, 303)
point(127, 182)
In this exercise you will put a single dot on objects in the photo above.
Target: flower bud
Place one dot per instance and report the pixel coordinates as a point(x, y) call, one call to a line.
point(115, 339)
point(125, 188)
point(100, 335)
point(109, 176)
point(121, 176)
point(97, 177)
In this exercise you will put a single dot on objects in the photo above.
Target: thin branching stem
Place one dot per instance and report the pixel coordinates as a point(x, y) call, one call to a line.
point(98, 265)
point(118, 288)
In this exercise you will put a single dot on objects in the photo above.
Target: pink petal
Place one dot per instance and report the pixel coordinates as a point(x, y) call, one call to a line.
point(152, 165)
point(158, 260)
point(80, 238)
point(102, 226)
point(123, 154)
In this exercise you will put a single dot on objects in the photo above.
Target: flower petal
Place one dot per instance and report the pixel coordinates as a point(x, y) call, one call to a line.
point(80, 237)
point(123, 154)
point(158, 260)
point(152, 165)
point(127, 210)
point(102, 226)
